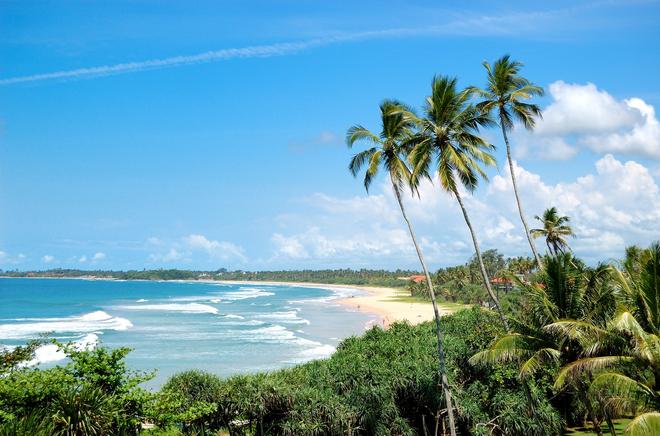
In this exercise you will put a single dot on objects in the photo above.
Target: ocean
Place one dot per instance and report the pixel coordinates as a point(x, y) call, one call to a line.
point(173, 326)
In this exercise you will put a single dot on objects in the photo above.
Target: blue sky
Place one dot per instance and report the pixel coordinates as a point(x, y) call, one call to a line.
point(150, 134)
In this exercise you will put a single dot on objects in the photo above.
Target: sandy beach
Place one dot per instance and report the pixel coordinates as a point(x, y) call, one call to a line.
point(388, 303)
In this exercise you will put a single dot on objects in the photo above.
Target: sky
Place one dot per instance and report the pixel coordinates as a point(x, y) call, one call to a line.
point(158, 134)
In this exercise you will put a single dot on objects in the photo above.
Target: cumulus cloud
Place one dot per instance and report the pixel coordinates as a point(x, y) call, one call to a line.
point(8, 259)
point(48, 258)
point(585, 116)
point(98, 256)
point(195, 248)
point(217, 249)
point(290, 247)
point(82, 259)
point(615, 204)
point(172, 255)
point(323, 139)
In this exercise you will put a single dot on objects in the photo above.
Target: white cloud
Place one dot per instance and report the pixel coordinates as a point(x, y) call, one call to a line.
point(98, 257)
point(154, 241)
point(195, 248)
point(614, 205)
point(7, 259)
point(583, 109)
point(82, 259)
point(643, 138)
point(48, 258)
point(217, 249)
point(172, 255)
point(584, 116)
point(325, 138)
point(617, 205)
point(289, 247)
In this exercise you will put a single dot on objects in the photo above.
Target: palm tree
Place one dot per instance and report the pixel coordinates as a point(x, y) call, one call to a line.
point(390, 151)
point(448, 131)
point(504, 94)
point(566, 298)
point(555, 229)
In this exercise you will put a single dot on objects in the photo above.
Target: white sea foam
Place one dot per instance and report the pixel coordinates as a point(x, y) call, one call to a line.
point(141, 300)
point(289, 317)
point(337, 294)
point(174, 307)
point(251, 322)
point(319, 352)
point(231, 315)
point(51, 353)
point(245, 293)
point(88, 323)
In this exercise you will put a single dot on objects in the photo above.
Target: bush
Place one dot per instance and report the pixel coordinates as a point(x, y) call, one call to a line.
point(93, 394)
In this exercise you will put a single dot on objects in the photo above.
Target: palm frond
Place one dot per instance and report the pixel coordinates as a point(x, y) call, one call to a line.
point(509, 348)
point(646, 424)
point(587, 365)
point(539, 360)
point(627, 391)
point(359, 133)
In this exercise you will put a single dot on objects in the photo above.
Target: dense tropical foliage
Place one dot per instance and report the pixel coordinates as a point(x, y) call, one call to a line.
point(568, 344)
point(345, 276)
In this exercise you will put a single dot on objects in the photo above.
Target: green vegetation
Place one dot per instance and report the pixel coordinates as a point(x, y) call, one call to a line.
point(555, 229)
point(330, 276)
point(582, 354)
point(464, 283)
point(389, 150)
point(569, 346)
point(94, 394)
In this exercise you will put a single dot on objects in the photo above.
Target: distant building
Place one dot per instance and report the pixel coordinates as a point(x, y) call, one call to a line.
point(502, 283)
point(418, 278)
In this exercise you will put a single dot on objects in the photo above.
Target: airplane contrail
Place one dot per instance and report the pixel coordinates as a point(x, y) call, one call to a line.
point(224, 54)
point(484, 25)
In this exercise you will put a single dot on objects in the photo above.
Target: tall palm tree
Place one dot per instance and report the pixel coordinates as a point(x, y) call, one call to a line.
point(449, 132)
point(389, 151)
point(555, 229)
point(504, 94)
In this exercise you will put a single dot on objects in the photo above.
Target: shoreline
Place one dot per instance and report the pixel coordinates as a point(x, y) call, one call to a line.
point(381, 301)
point(384, 302)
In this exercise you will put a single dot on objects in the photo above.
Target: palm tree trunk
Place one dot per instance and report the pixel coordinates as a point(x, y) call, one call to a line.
point(482, 267)
point(441, 355)
point(515, 191)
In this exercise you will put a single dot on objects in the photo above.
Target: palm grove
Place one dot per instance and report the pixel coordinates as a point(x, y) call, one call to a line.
point(444, 143)
point(569, 345)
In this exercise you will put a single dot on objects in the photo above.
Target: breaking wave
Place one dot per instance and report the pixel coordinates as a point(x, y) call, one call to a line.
point(99, 320)
point(174, 307)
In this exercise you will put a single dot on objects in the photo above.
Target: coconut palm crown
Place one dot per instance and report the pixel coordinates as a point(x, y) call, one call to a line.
point(390, 150)
point(555, 230)
point(448, 132)
point(503, 95)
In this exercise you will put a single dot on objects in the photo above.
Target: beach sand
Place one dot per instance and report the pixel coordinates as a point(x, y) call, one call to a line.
point(388, 303)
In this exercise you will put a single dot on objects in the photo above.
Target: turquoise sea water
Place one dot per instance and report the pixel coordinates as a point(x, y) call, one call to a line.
point(172, 326)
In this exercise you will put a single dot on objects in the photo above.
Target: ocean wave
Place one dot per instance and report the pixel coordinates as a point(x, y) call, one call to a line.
point(275, 334)
point(245, 293)
point(252, 322)
point(319, 352)
point(91, 322)
point(141, 300)
point(173, 307)
point(337, 294)
point(289, 317)
point(231, 315)
point(51, 353)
